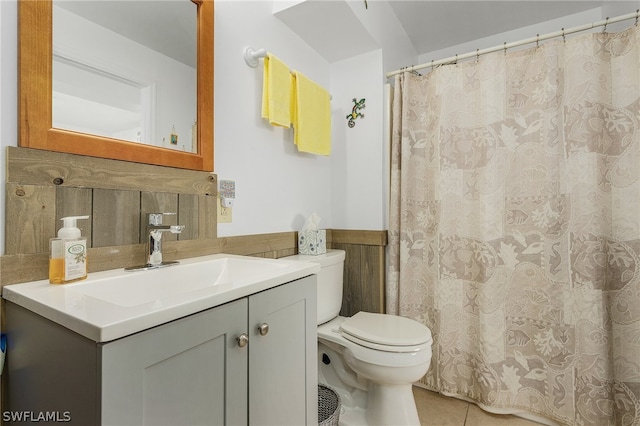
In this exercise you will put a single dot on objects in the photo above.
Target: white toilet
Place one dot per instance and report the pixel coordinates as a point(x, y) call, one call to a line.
point(370, 359)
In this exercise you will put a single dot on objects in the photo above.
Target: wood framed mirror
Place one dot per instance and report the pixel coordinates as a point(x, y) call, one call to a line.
point(35, 98)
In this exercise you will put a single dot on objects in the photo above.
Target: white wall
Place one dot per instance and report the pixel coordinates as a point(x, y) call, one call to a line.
point(277, 188)
point(357, 167)
point(345, 189)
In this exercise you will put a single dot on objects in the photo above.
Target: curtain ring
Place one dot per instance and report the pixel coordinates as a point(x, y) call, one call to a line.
point(432, 65)
point(505, 47)
point(537, 40)
point(456, 62)
point(563, 37)
point(477, 55)
point(637, 14)
point(606, 21)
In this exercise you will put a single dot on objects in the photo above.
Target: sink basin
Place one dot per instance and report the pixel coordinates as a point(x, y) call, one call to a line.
point(113, 304)
point(137, 288)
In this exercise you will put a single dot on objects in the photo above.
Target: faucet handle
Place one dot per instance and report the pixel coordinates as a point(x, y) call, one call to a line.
point(156, 218)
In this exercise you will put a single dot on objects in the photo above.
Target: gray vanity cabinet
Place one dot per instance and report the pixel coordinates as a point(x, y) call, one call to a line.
point(191, 371)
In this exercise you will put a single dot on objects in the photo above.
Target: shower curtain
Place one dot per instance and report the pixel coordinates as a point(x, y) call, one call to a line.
point(515, 226)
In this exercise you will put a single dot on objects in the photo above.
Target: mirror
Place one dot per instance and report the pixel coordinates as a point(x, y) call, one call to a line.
point(126, 70)
point(135, 141)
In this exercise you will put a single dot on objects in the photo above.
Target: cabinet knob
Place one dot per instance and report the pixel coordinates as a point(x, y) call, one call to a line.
point(242, 339)
point(263, 329)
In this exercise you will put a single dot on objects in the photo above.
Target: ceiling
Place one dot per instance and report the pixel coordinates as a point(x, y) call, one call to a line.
point(434, 25)
point(430, 25)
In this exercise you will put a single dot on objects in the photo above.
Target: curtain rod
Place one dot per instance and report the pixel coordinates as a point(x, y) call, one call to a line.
point(505, 46)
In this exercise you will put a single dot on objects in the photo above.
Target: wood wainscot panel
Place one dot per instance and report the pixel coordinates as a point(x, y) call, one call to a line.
point(207, 216)
point(263, 245)
point(363, 238)
point(72, 201)
point(30, 214)
point(37, 167)
point(188, 212)
point(116, 217)
point(354, 287)
point(364, 269)
point(44, 186)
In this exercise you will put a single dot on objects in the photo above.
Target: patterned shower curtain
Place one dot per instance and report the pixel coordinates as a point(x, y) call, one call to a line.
point(515, 227)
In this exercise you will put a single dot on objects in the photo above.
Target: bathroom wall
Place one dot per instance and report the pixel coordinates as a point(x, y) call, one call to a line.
point(346, 189)
point(357, 165)
point(276, 187)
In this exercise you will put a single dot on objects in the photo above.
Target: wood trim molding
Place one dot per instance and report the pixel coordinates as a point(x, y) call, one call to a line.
point(27, 166)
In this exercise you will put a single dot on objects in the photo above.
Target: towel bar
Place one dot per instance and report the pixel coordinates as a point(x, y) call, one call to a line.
point(252, 55)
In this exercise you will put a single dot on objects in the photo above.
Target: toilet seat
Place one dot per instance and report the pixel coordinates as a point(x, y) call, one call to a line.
point(330, 334)
point(387, 333)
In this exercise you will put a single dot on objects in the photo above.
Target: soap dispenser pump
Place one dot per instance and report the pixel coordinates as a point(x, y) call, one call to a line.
point(68, 253)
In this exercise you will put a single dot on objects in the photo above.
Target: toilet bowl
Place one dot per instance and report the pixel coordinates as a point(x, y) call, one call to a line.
point(370, 359)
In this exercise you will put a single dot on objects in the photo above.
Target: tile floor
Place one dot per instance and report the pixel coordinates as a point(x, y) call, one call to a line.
point(437, 410)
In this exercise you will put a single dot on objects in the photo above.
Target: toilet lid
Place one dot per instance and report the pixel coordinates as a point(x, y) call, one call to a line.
point(385, 330)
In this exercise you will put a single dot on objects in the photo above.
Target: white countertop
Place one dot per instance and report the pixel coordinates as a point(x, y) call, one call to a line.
point(112, 304)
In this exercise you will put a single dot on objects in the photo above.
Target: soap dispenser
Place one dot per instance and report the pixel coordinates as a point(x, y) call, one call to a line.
point(68, 253)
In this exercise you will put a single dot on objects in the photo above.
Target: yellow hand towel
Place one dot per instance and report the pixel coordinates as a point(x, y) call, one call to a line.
point(310, 115)
point(276, 92)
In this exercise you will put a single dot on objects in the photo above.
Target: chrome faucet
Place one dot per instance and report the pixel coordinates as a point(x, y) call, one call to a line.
point(154, 249)
point(156, 228)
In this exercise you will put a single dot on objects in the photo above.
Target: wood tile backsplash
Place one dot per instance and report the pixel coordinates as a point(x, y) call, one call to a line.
point(44, 186)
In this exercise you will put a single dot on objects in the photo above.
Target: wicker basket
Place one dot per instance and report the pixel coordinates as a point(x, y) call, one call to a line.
point(328, 406)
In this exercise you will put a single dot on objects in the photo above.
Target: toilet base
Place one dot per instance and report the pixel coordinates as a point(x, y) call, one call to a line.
point(384, 405)
point(362, 401)
point(352, 416)
point(391, 405)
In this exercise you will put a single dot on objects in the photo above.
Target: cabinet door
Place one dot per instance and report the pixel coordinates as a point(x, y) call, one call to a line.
point(186, 372)
point(283, 378)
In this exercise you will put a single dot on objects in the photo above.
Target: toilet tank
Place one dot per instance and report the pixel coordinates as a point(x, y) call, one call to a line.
point(330, 281)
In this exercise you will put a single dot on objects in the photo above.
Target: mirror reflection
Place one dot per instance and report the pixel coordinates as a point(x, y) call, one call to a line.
point(126, 70)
